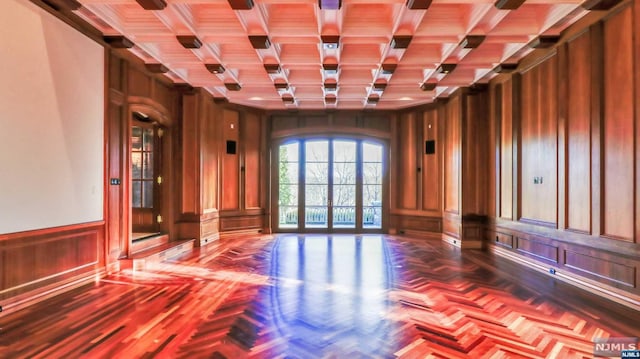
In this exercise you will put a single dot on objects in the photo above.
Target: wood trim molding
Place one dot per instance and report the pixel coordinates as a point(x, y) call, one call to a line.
point(65, 256)
point(611, 293)
point(51, 231)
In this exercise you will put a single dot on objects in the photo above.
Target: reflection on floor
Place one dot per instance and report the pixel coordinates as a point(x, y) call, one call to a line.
point(320, 296)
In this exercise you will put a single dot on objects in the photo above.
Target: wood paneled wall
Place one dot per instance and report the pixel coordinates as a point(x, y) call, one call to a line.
point(223, 176)
point(465, 167)
point(244, 176)
point(416, 177)
point(35, 263)
point(569, 115)
point(132, 88)
point(197, 180)
point(539, 152)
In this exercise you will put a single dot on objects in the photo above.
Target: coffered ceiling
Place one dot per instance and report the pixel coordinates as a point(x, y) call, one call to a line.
point(310, 54)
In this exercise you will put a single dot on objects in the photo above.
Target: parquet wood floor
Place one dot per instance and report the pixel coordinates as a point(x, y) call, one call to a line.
point(319, 296)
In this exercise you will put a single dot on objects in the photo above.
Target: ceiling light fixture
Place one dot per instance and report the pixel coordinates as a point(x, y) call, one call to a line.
point(544, 41)
point(281, 85)
point(428, 86)
point(472, 41)
point(260, 41)
point(189, 41)
point(373, 99)
point(156, 68)
point(233, 86)
point(401, 41)
point(241, 4)
point(119, 42)
point(330, 42)
point(388, 68)
point(288, 99)
point(63, 4)
point(446, 68)
point(503, 68)
point(380, 85)
point(272, 68)
point(418, 4)
point(152, 4)
point(215, 68)
point(508, 4)
point(599, 4)
point(330, 4)
point(330, 69)
point(331, 85)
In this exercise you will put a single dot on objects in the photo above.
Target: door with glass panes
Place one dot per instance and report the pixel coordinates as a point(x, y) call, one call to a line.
point(145, 178)
point(330, 184)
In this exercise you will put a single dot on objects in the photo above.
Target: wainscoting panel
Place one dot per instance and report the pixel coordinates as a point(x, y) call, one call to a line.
point(36, 259)
point(240, 223)
point(538, 249)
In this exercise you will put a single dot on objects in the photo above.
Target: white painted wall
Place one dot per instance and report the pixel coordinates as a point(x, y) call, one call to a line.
point(51, 121)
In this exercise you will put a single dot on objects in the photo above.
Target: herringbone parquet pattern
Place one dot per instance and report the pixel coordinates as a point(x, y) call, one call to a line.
point(319, 296)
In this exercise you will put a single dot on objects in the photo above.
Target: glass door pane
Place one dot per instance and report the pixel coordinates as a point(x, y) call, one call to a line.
point(344, 184)
point(371, 185)
point(316, 193)
point(288, 165)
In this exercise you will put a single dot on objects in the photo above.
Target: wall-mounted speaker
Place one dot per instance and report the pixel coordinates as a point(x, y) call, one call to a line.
point(430, 147)
point(231, 147)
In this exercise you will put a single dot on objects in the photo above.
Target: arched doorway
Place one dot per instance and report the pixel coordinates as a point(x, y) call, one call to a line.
point(330, 184)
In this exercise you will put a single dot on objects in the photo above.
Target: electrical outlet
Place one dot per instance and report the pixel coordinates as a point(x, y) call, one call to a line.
point(552, 271)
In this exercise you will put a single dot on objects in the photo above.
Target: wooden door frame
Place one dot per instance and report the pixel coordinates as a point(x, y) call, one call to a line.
point(161, 116)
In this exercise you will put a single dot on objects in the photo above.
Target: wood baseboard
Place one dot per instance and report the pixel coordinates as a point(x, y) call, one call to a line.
point(590, 286)
point(462, 244)
point(242, 232)
point(420, 234)
point(27, 299)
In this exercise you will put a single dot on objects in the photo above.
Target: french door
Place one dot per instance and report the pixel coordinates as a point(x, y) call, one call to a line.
point(330, 185)
point(145, 178)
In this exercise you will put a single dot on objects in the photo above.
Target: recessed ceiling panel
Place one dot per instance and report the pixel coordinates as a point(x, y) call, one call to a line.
point(365, 30)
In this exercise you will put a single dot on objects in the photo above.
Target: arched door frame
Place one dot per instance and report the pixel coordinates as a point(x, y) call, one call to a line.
point(138, 106)
point(302, 138)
